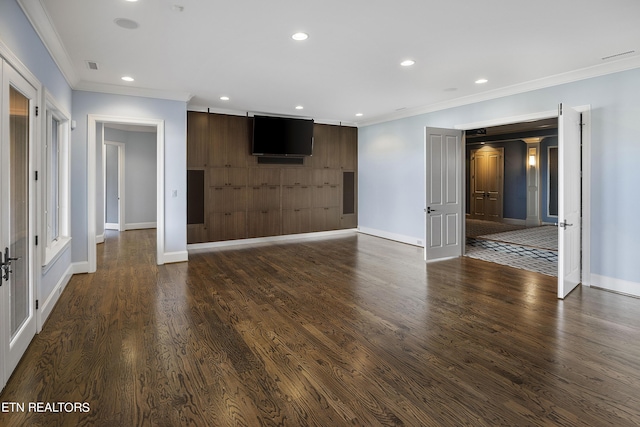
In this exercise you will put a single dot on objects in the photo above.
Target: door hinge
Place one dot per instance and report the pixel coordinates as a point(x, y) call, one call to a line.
point(36, 175)
point(37, 304)
point(37, 111)
point(560, 109)
point(36, 240)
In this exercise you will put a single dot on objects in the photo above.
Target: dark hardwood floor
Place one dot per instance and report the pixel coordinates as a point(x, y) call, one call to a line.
point(343, 331)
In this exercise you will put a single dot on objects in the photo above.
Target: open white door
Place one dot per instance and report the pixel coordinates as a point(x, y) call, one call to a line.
point(569, 198)
point(444, 214)
point(17, 243)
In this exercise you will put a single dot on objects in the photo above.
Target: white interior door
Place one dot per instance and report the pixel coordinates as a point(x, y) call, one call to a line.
point(18, 319)
point(113, 154)
point(444, 216)
point(569, 199)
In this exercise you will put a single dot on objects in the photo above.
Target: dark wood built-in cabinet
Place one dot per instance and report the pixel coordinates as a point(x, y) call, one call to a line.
point(230, 195)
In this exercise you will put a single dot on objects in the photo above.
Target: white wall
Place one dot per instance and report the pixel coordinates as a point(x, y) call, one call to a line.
point(391, 167)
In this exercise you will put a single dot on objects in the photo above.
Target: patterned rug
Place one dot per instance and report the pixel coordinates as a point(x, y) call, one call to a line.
point(545, 237)
point(532, 249)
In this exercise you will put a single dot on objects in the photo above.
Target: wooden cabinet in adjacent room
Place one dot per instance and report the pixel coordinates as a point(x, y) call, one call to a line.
point(233, 196)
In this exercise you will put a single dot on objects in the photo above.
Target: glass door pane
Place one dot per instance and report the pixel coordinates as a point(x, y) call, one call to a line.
point(19, 208)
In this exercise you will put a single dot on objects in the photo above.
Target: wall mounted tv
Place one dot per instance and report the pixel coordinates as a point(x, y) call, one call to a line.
point(282, 136)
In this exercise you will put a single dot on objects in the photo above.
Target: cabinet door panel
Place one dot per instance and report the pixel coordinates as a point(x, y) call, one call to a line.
point(264, 176)
point(197, 139)
point(217, 155)
point(263, 223)
point(237, 141)
point(296, 221)
point(349, 148)
point(296, 197)
point(263, 198)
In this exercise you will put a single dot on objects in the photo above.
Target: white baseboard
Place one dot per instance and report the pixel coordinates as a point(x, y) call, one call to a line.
point(47, 306)
point(100, 238)
point(270, 239)
point(140, 225)
point(111, 226)
point(410, 240)
point(615, 285)
point(171, 257)
point(80, 267)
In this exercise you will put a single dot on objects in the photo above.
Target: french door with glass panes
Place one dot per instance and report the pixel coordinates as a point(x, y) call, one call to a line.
point(17, 299)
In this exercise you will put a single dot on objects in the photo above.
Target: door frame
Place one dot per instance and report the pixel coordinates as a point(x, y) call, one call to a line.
point(92, 173)
point(585, 110)
point(120, 226)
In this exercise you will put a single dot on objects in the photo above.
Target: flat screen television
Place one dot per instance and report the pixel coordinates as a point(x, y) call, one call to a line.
point(282, 136)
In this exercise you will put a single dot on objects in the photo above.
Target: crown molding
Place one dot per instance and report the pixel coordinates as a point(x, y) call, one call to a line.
point(555, 80)
point(133, 91)
point(41, 23)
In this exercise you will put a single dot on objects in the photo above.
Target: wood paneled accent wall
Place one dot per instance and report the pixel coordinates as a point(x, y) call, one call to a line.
point(243, 199)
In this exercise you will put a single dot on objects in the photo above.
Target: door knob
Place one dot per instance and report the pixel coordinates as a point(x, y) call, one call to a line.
point(429, 210)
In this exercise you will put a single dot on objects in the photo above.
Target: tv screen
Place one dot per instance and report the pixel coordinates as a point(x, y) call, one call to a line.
point(282, 136)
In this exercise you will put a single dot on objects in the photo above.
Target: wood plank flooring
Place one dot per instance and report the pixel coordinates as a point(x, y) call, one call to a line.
point(347, 331)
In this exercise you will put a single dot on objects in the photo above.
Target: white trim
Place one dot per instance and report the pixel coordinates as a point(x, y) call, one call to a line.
point(180, 256)
point(100, 238)
point(133, 91)
point(140, 225)
point(271, 239)
point(41, 23)
point(616, 285)
point(80, 267)
point(112, 226)
point(92, 120)
point(409, 240)
point(545, 82)
point(549, 114)
point(47, 306)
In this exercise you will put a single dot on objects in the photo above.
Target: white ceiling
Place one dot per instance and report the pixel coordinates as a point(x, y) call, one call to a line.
point(350, 63)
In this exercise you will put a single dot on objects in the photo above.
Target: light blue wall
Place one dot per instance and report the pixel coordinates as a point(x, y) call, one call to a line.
point(174, 114)
point(391, 188)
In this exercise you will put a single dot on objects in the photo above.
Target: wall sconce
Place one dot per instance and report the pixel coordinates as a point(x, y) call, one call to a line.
point(532, 156)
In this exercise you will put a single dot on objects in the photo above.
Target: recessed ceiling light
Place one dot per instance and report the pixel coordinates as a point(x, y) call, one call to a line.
point(127, 79)
point(224, 98)
point(481, 81)
point(299, 107)
point(132, 1)
point(126, 23)
point(359, 114)
point(407, 62)
point(300, 36)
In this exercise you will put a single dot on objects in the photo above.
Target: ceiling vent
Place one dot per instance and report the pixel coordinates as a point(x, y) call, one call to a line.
point(617, 55)
point(92, 65)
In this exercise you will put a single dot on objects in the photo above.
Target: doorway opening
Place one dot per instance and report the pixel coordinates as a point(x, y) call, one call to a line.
point(582, 192)
point(150, 200)
point(511, 216)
